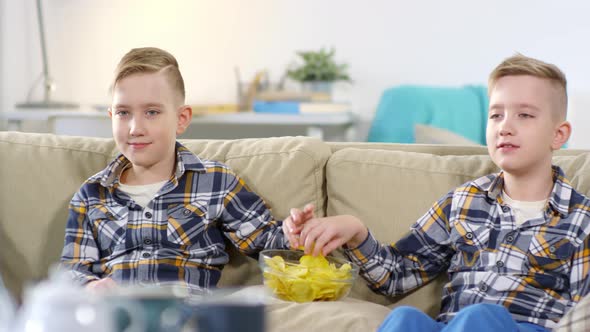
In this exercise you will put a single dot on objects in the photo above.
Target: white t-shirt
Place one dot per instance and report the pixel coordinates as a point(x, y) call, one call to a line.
point(142, 194)
point(524, 210)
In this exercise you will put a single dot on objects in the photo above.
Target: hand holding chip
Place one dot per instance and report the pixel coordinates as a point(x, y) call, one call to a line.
point(293, 224)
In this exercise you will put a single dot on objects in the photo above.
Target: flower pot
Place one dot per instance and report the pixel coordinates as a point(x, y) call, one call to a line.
point(318, 87)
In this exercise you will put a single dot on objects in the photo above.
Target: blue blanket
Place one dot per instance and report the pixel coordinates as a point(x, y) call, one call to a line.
point(462, 110)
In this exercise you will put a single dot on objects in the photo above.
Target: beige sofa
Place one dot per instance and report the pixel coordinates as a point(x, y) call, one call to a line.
point(387, 185)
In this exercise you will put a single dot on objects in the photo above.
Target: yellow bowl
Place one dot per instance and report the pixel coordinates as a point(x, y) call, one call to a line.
point(293, 276)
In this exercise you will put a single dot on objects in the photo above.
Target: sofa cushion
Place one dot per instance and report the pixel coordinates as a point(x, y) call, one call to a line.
point(39, 175)
point(41, 172)
point(389, 190)
point(347, 314)
point(577, 318)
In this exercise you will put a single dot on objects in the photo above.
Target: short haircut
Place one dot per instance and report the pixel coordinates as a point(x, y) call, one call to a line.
point(150, 60)
point(519, 64)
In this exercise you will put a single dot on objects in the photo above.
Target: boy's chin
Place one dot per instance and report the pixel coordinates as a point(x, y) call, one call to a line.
point(137, 162)
point(140, 163)
point(508, 166)
point(517, 169)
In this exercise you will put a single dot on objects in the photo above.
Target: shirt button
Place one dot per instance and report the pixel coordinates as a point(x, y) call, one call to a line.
point(500, 264)
point(483, 287)
point(146, 255)
point(552, 249)
point(509, 238)
point(505, 208)
point(148, 215)
point(147, 241)
point(186, 212)
point(469, 235)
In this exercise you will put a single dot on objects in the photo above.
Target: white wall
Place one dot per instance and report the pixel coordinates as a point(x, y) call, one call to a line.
point(386, 42)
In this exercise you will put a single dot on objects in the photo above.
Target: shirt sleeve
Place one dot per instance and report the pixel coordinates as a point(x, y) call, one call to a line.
point(80, 250)
point(247, 221)
point(579, 277)
point(414, 260)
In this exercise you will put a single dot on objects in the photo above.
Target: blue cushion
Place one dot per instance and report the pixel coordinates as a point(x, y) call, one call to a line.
point(462, 110)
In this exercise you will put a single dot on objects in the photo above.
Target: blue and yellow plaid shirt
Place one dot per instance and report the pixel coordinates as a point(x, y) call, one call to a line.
point(537, 270)
point(178, 237)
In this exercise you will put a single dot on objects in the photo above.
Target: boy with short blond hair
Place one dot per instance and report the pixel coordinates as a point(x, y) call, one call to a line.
point(158, 213)
point(515, 245)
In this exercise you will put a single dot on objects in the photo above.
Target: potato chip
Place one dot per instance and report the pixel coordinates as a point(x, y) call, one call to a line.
point(313, 278)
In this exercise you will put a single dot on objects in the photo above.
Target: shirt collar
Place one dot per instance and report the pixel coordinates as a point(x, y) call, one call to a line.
point(559, 199)
point(185, 161)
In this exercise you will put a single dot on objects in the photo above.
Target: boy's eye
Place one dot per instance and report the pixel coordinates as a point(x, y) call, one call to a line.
point(121, 113)
point(525, 115)
point(494, 116)
point(152, 112)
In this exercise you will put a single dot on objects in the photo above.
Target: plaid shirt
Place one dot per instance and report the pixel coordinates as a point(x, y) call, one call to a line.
point(178, 236)
point(537, 270)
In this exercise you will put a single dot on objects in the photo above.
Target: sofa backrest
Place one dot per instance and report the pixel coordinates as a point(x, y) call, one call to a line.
point(389, 187)
point(39, 174)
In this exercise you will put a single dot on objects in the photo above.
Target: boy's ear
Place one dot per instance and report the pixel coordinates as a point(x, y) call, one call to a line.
point(110, 112)
point(185, 115)
point(562, 134)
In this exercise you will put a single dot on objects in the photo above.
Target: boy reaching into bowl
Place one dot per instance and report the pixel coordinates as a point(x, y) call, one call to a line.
point(515, 245)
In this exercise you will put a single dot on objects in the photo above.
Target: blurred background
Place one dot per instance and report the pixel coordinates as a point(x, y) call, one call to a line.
point(385, 43)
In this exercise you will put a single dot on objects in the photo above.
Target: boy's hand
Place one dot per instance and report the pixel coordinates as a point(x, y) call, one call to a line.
point(293, 224)
point(102, 284)
point(324, 235)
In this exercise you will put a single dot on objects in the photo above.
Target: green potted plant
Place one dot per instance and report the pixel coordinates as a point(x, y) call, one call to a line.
point(318, 71)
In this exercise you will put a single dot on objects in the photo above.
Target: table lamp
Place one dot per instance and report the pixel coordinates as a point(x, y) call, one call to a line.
point(48, 83)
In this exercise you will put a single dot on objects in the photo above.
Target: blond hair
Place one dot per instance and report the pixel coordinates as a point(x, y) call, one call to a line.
point(519, 64)
point(150, 60)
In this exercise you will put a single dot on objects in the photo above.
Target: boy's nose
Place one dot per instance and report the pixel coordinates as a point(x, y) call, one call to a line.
point(505, 133)
point(135, 127)
point(506, 127)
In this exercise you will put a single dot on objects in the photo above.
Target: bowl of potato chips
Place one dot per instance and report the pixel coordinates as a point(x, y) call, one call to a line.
point(292, 275)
